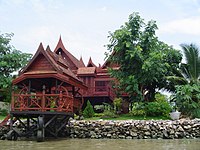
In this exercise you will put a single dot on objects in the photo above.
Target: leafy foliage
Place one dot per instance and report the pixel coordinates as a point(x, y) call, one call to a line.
point(11, 60)
point(88, 111)
point(188, 72)
point(117, 104)
point(187, 98)
point(160, 107)
point(3, 112)
point(191, 69)
point(138, 109)
point(144, 60)
point(187, 91)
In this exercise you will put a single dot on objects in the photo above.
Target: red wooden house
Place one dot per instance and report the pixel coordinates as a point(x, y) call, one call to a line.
point(96, 78)
point(47, 89)
point(52, 87)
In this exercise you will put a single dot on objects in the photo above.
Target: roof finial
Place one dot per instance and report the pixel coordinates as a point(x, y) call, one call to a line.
point(90, 63)
point(81, 62)
point(60, 39)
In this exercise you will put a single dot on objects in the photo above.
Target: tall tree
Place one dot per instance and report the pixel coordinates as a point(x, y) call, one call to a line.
point(144, 60)
point(11, 60)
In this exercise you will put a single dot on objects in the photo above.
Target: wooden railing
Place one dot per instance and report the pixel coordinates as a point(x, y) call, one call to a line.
point(42, 102)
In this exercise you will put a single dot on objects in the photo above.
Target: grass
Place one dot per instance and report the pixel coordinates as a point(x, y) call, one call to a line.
point(129, 117)
point(2, 117)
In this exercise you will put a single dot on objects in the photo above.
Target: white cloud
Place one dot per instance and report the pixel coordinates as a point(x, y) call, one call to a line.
point(38, 6)
point(104, 8)
point(184, 26)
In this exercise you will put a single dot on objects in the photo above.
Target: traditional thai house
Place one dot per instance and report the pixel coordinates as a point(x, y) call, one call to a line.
point(46, 90)
point(52, 87)
point(96, 78)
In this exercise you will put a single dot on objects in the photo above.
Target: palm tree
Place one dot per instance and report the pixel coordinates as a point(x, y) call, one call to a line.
point(187, 93)
point(191, 69)
point(189, 72)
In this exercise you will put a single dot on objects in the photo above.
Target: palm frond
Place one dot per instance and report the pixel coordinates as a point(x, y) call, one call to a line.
point(177, 80)
point(192, 69)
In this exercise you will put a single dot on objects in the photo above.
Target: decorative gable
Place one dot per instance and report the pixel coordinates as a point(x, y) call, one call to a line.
point(40, 64)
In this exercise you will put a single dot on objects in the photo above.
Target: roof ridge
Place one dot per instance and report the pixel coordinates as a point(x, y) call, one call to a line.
point(74, 60)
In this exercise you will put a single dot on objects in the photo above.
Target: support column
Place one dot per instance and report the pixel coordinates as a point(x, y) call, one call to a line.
point(43, 98)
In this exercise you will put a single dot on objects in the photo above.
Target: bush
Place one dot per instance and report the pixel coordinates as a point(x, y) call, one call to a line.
point(3, 112)
point(187, 98)
point(109, 114)
point(138, 109)
point(88, 111)
point(99, 108)
point(117, 104)
point(160, 107)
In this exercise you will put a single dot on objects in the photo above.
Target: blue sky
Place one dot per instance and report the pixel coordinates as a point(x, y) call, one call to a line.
point(84, 24)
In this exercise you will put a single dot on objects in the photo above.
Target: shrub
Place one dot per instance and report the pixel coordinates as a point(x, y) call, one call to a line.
point(3, 112)
point(109, 114)
point(138, 109)
point(117, 104)
point(99, 108)
point(88, 111)
point(160, 107)
point(187, 98)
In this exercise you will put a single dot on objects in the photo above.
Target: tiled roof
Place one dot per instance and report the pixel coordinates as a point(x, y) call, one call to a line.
point(86, 70)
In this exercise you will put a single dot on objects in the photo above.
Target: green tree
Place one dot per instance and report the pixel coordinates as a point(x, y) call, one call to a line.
point(144, 60)
point(187, 91)
point(11, 60)
point(88, 111)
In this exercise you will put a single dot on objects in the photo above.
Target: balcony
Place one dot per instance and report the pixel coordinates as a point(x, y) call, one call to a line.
point(44, 102)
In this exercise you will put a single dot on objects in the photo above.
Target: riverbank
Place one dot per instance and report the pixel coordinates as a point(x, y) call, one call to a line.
point(135, 129)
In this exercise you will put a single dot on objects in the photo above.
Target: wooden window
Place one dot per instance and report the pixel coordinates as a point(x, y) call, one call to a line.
point(100, 83)
point(100, 86)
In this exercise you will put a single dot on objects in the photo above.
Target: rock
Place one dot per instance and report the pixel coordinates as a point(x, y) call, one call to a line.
point(180, 129)
point(108, 135)
point(122, 137)
point(165, 134)
point(134, 134)
point(128, 137)
point(134, 129)
point(147, 133)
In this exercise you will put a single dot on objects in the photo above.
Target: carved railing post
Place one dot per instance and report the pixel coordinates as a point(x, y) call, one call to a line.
point(13, 100)
point(43, 97)
point(60, 102)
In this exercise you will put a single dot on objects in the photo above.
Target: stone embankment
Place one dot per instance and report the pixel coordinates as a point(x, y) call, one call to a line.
point(135, 129)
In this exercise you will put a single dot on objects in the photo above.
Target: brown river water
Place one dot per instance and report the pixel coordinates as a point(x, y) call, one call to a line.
point(102, 144)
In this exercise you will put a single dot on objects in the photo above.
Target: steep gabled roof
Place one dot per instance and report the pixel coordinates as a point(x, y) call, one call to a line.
point(74, 60)
point(57, 62)
point(40, 51)
point(90, 63)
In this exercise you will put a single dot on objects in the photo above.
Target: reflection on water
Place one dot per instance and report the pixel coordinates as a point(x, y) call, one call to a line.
point(104, 144)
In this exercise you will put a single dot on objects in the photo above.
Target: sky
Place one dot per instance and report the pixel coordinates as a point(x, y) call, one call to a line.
point(84, 24)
